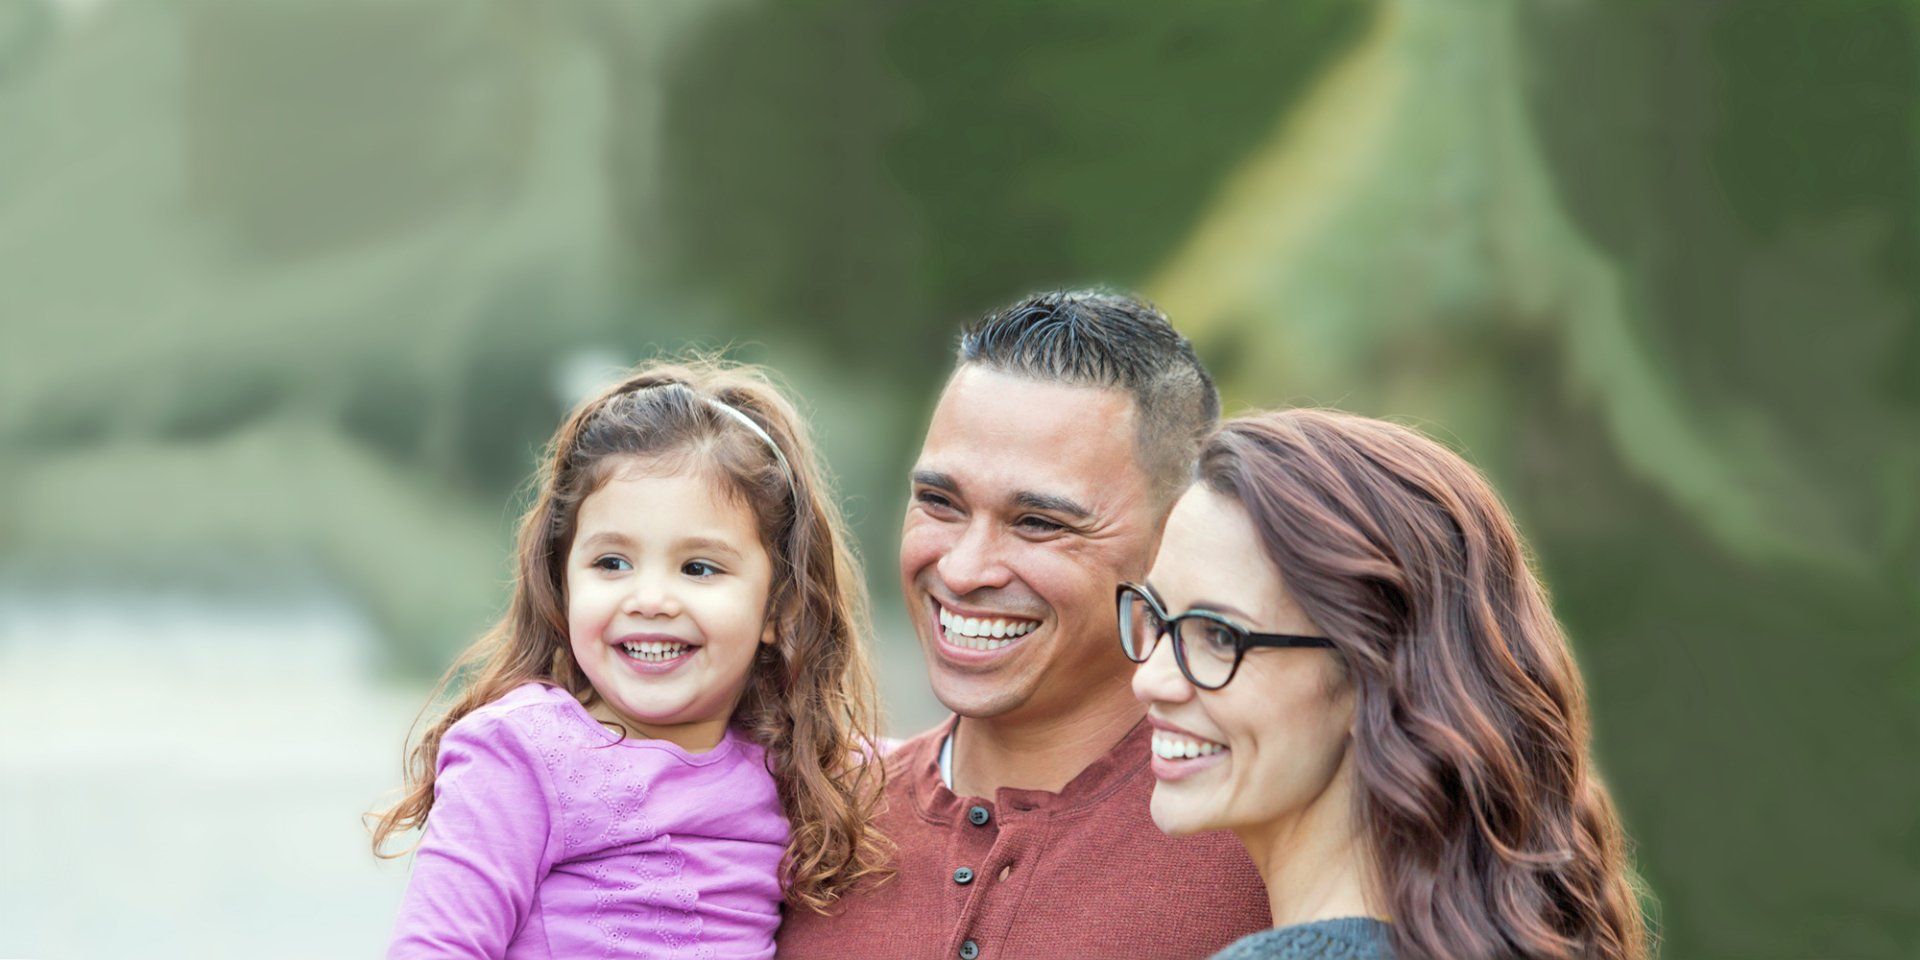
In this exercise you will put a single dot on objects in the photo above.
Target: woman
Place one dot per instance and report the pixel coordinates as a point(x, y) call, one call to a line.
point(1365, 684)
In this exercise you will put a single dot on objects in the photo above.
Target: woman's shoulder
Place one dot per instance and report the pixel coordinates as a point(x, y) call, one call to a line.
point(1348, 938)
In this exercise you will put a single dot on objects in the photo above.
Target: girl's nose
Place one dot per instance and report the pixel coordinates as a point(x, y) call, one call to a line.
point(651, 597)
point(1158, 680)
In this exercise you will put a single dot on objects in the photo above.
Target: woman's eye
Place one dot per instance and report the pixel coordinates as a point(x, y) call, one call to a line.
point(699, 568)
point(1217, 639)
point(612, 563)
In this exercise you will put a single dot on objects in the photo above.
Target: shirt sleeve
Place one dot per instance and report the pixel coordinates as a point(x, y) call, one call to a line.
point(489, 841)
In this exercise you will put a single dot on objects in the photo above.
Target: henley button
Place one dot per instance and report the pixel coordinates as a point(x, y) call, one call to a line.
point(978, 816)
point(963, 876)
point(969, 950)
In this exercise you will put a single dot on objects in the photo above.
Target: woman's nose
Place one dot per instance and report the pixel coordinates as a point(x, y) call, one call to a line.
point(1158, 680)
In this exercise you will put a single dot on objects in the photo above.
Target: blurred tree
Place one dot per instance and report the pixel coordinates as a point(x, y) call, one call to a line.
point(1653, 268)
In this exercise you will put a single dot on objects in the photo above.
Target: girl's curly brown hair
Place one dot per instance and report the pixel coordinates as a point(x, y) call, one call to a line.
point(809, 698)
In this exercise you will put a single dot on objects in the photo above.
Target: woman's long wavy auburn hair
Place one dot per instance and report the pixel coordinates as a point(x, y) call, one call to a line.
point(1490, 834)
point(809, 699)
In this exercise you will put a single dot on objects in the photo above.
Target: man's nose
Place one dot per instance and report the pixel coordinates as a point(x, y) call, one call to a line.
point(1158, 680)
point(973, 562)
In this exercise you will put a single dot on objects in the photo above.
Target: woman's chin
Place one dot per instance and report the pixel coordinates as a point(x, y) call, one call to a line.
point(1176, 816)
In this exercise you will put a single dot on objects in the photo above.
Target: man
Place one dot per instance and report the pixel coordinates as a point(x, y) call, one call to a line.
point(1062, 439)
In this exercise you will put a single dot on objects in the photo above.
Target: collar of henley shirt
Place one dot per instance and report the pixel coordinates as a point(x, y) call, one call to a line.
point(939, 804)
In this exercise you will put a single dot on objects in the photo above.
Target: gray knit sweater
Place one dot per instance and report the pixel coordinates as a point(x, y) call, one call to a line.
point(1349, 938)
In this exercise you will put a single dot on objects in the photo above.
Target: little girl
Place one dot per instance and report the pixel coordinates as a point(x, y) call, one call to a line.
point(667, 726)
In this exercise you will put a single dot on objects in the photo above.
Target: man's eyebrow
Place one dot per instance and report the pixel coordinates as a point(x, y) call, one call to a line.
point(1051, 503)
point(935, 479)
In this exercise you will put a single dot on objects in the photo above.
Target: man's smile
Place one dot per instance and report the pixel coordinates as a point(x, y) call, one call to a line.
point(970, 633)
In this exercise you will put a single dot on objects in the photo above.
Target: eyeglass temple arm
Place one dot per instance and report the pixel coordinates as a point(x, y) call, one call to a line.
point(1285, 640)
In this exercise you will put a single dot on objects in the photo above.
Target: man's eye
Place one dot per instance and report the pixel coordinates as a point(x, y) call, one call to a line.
point(699, 568)
point(934, 501)
point(1041, 525)
point(612, 563)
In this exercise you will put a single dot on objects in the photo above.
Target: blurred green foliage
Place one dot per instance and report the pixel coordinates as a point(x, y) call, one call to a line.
point(292, 293)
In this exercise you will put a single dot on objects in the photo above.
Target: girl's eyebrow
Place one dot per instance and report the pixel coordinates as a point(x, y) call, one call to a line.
point(710, 545)
point(610, 537)
point(713, 545)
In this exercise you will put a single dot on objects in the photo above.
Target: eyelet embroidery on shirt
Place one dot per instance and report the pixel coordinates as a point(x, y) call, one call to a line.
point(553, 748)
point(641, 886)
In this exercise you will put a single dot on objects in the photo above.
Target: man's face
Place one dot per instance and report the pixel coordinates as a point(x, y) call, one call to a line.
point(1028, 507)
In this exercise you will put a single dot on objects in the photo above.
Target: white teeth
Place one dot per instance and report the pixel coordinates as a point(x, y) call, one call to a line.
point(981, 633)
point(655, 650)
point(1174, 746)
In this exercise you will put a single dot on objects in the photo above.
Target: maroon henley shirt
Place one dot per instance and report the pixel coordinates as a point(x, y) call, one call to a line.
point(1082, 874)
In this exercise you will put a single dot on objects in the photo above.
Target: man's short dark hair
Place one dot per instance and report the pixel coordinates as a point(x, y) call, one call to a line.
point(1099, 339)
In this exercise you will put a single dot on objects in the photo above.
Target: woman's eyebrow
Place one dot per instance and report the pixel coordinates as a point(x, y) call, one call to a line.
point(1225, 609)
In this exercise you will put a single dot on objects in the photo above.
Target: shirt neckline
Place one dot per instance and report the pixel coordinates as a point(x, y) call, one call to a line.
point(721, 751)
point(937, 801)
point(946, 760)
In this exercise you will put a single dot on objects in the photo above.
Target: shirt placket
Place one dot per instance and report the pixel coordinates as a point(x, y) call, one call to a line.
point(988, 868)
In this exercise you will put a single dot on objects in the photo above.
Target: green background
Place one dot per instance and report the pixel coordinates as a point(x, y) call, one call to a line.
point(290, 294)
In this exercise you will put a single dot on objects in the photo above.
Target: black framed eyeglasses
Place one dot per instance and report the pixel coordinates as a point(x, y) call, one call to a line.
point(1207, 646)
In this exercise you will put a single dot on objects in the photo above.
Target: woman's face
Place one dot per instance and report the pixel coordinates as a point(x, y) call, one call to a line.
point(1269, 747)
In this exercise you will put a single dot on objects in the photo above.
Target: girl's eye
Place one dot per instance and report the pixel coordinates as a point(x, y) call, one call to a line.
point(699, 568)
point(612, 563)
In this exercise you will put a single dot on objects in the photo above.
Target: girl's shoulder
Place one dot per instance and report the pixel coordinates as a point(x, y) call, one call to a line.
point(532, 694)
point(536, 713)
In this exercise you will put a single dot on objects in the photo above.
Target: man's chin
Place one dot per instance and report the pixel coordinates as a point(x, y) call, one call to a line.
point(971, 695)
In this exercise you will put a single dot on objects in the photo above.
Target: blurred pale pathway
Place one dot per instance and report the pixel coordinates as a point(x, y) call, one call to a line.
point(184, 779)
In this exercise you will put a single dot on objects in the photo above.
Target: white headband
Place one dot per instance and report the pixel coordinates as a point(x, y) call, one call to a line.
point(747, 422)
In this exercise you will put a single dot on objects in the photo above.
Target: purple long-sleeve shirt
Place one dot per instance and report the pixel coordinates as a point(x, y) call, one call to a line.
point(549, 839)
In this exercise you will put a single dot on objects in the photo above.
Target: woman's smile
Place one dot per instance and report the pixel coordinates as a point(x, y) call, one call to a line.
point(1179, 754)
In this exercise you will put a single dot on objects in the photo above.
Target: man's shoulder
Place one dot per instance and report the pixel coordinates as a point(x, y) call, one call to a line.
point(914, 755)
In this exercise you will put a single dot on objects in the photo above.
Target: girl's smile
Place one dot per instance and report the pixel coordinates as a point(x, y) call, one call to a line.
point(656, 652)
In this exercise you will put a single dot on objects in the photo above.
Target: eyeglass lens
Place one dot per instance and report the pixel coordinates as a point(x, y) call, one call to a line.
point(1206, 647)
point(1140, 626)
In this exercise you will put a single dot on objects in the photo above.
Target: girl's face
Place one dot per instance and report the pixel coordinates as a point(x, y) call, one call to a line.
point(1272, 743)
point(666, 602)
